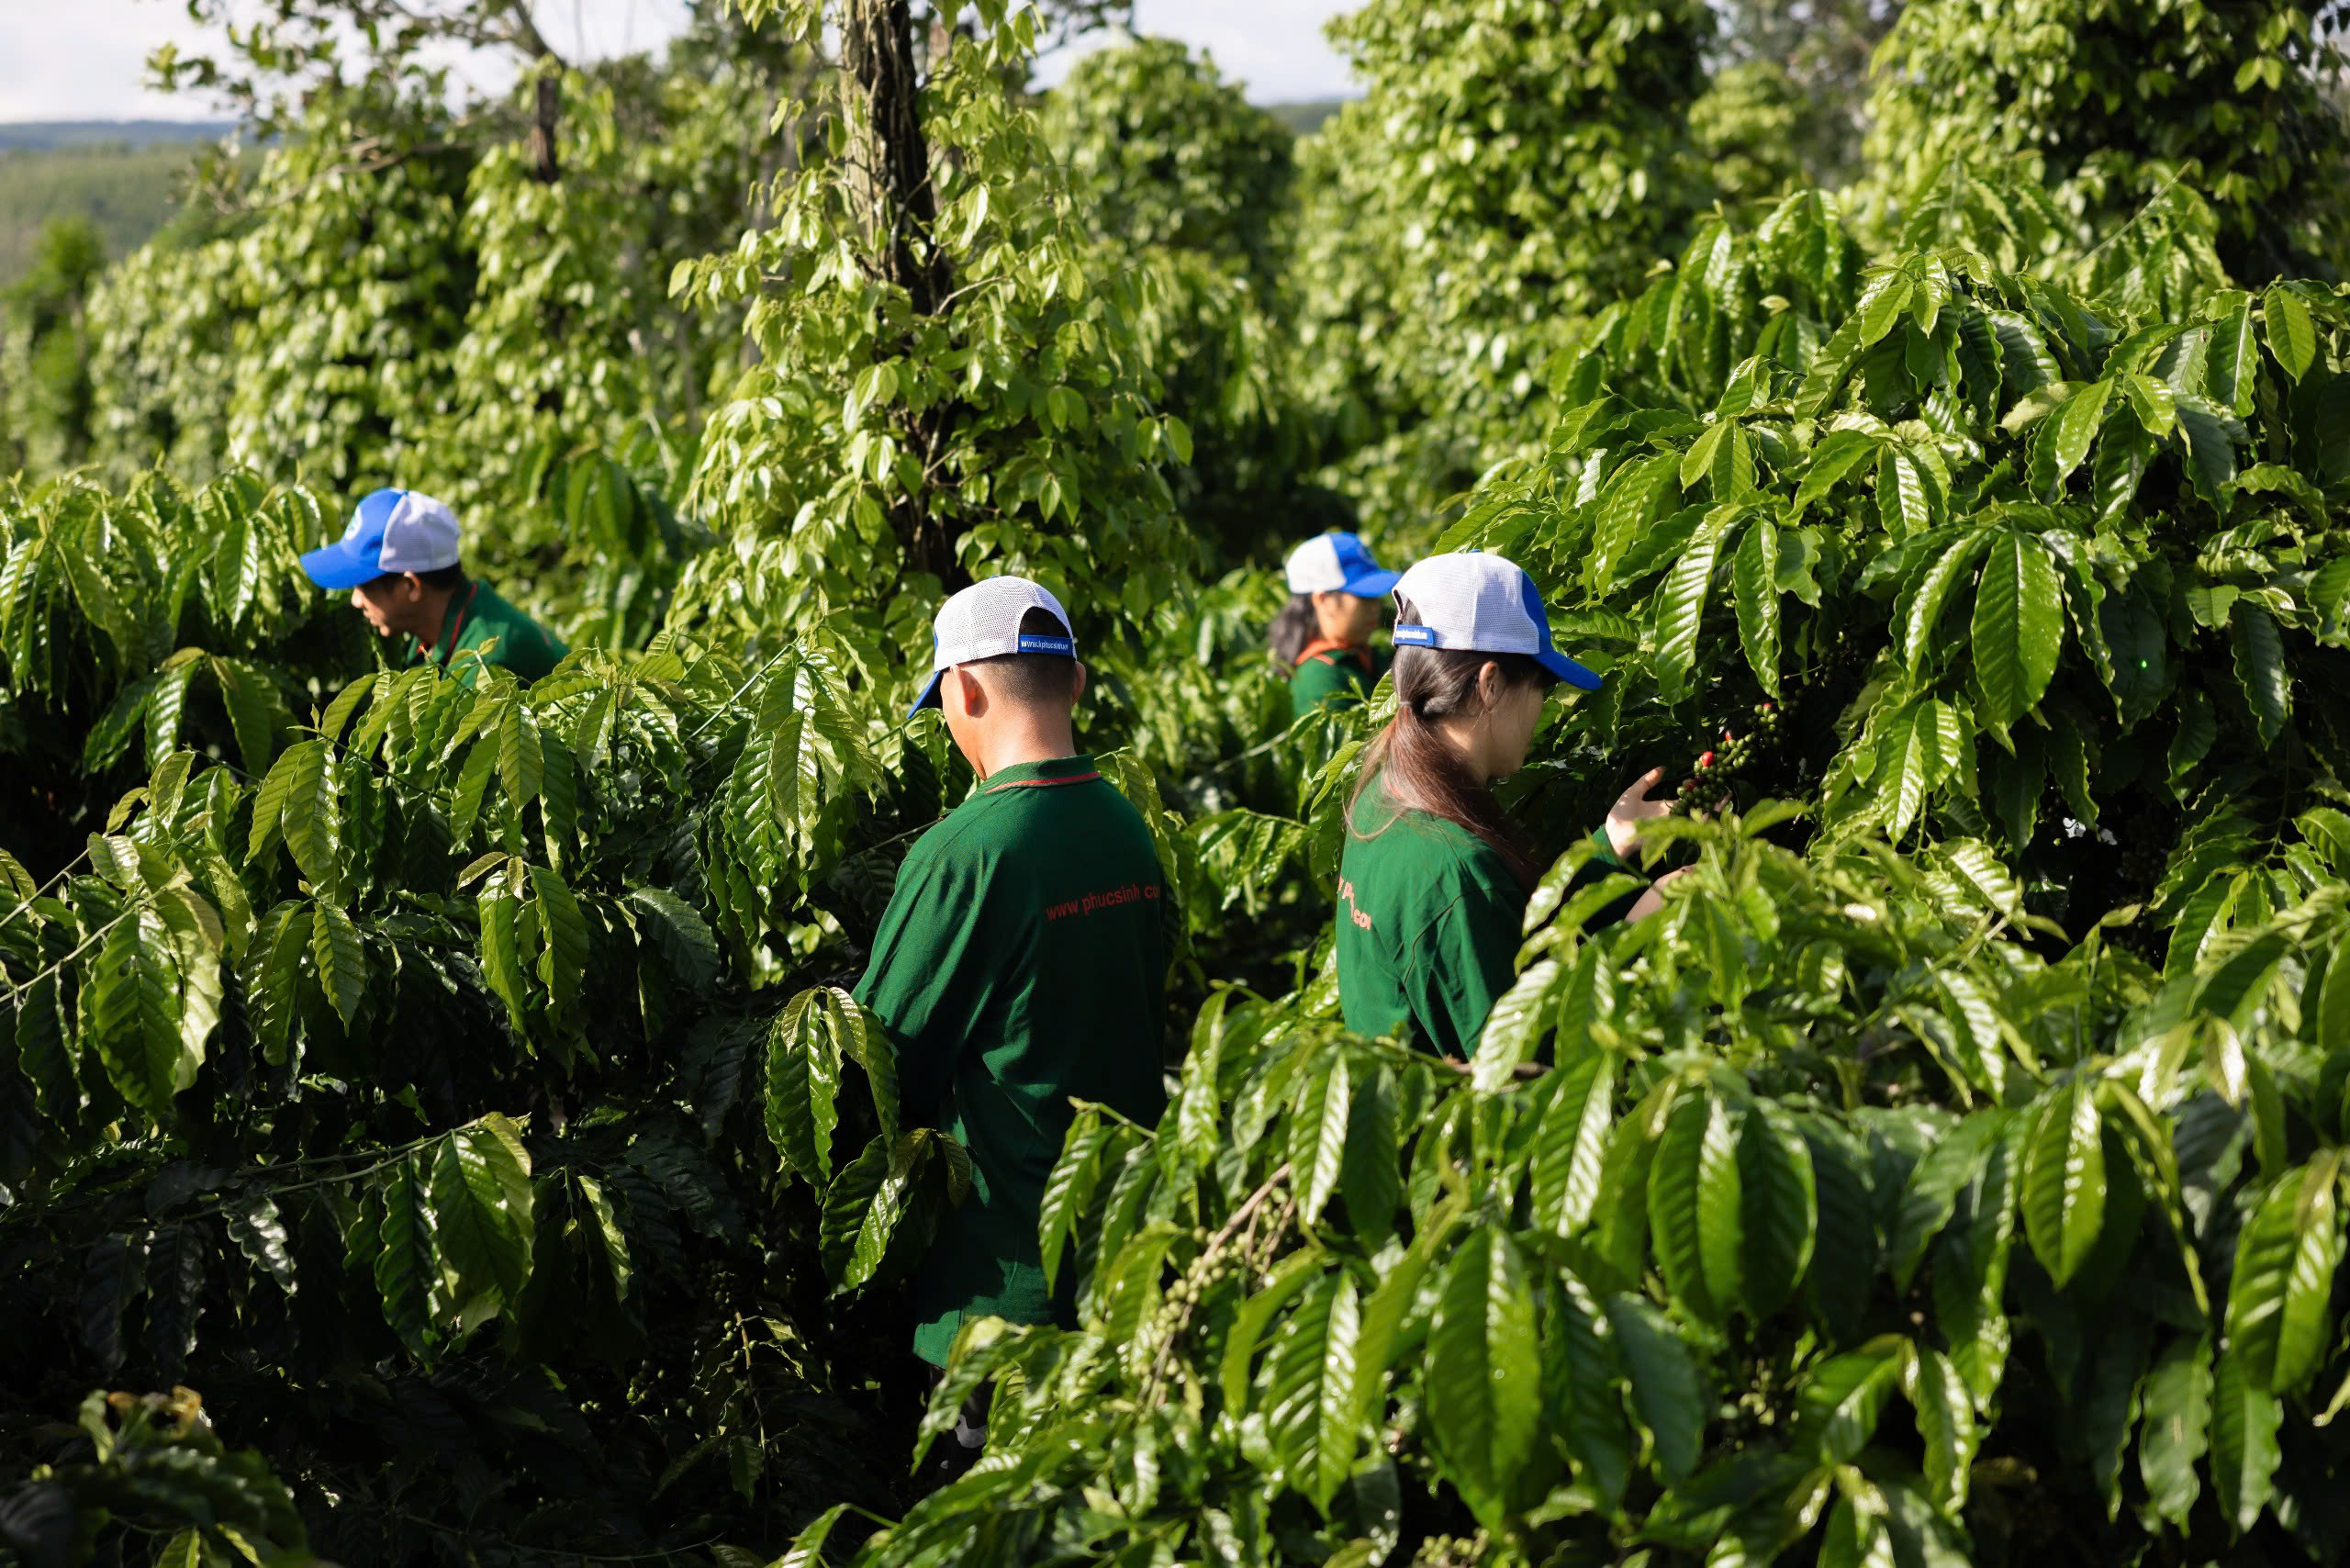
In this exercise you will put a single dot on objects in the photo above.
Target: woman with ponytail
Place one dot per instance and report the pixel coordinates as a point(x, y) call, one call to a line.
point(1434, 879)
point(1321, 639)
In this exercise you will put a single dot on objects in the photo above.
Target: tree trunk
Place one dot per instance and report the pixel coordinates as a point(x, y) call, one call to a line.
point(542, 123)
point(889, 170)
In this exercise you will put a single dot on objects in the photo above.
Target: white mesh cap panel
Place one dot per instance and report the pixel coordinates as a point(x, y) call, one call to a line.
point(420, 536)
point(1312, 566)
point(1470, 600)
point(983, 621)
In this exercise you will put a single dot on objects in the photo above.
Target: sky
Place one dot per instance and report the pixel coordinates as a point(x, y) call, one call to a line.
point(85, 59)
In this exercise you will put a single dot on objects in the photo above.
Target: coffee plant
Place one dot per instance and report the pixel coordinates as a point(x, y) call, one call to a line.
point(434, 1123)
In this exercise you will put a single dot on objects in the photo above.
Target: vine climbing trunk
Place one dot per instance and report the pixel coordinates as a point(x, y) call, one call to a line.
point(889, 179)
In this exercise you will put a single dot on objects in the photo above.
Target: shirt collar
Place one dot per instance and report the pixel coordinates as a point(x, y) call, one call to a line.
point(1078, 769)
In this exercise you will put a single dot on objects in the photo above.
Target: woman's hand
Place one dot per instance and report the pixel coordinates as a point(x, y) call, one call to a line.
point(1632, 808)
point(1649, 902)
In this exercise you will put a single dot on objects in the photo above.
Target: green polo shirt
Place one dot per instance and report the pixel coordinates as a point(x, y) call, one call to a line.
point(1338, 676)
point(480, 622)
point(1021, 962)
point(1428, 926)
point(1431, 921)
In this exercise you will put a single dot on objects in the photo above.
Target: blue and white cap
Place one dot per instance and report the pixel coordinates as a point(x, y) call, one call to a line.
point(1338, 563)
point(391, 530)
point(983, 623)
point(1474, 601)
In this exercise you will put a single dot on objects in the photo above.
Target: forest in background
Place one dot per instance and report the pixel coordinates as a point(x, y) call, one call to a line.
point(430, 1118)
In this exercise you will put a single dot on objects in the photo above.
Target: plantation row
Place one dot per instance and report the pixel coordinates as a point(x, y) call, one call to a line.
point(452, 1090)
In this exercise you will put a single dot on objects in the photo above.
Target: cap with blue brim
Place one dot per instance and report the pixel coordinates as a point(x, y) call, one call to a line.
point(983, 623)
point(390, 531)
point(1338, 563)
point(1471, 599)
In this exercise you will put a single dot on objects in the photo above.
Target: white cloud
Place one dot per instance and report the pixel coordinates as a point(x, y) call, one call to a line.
point(86, 59)
point(1274, 48)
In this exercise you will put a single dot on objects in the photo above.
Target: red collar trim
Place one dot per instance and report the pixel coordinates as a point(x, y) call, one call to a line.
point(1040, 783)
point(1360, 654)
point(454, 630)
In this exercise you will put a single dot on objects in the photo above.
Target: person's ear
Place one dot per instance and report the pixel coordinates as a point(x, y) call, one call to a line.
point(1077, 687)
point(971, 694)
point(412, 587)
point(1490, 684)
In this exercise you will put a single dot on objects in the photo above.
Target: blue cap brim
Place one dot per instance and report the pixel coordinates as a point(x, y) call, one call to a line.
point(929, 698)
point(1372, 585)
point(333, 567)
point(1566, 670)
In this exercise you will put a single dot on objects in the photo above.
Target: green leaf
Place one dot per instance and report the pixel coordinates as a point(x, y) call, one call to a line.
point(1904, 506)
point(2063, 1180)
point(2062, 440)
point(2019, 628)
point(688, 947)
point(2292, 336)
point(407, 1264)
point(562, 960)
point(1666, 1394)
point(1946, 1422)
point(1069, 1189)
point(2210, 448)
point(2280, 1301)
point(259, 1231)
point(1680, 608)
point(339, 958)
point(252, 710)
point(133, 1012)
point(481, 1210)
point(1311, 1371)
point(607, 1229)
point(804, 1080)
point(1933, 591)
point(1721, 1203)
point(1838, 454)
point(500, 951)
point(1839, 1403)
point(1700, 455)
point(2233, 371)
point(2260, 668)
point(2244, 1422)
point(2175, 1427)
point(311, 815)
point(1318, 1148)
point(1571, 1144)
point(862, 1208)
point(522, 763)
point(1675, 1189)
point(1781, 1216)
point(1482, 1379)
point(1754, 576)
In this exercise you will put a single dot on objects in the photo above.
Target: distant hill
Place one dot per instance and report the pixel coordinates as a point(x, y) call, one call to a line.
point(42, 135)
point(1307, 117)
point(128, 190)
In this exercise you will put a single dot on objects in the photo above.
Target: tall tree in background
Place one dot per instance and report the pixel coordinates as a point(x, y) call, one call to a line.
point(2111, 104)
point(946, 379)
point(1174, 171)
point(1790, 91)
point(1512, 166)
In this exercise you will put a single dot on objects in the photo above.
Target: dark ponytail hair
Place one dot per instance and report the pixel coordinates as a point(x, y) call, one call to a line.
point(1418, 766)
point(1293, 630)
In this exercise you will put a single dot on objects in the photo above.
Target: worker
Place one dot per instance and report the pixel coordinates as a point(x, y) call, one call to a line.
point(1433, 877)
point(1321, 641)
point(398, 559)
point(1020, 964)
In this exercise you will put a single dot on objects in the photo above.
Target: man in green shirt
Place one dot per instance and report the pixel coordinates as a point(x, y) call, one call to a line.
point(398, 558)
point(1021, 962)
